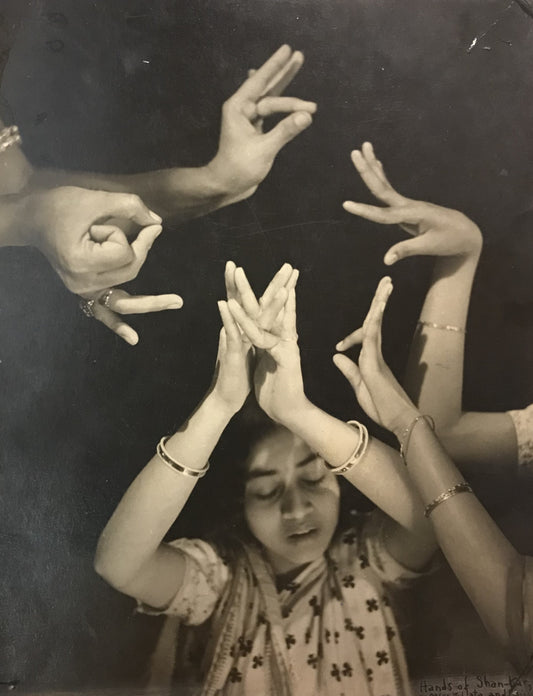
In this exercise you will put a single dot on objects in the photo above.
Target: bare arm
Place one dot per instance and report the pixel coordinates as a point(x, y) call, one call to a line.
point(245, 153)
point(380, 475)
point(486, 564)
point(131, 554)
point(434, 377)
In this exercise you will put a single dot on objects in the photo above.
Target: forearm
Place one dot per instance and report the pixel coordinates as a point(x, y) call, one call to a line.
point(14, 227)
point(156, 497)
point(479, 554)
point(380, 474)
point(178, 194)
point(434, 377)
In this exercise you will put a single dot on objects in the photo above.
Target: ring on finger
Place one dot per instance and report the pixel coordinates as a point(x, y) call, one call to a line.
point(105, 297)
point(87, 307)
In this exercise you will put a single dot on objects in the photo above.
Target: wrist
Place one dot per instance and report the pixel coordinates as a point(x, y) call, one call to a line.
point(297, 415)
point(217, 179)
point(403, 422)
point(224, 408)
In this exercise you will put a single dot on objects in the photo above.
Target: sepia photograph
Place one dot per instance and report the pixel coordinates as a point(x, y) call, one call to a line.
point(266, 304)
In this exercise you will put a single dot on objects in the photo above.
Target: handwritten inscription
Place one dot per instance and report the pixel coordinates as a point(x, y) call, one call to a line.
point(474, 685)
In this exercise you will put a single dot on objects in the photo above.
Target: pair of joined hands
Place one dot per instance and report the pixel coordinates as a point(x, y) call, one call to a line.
point(258, 348)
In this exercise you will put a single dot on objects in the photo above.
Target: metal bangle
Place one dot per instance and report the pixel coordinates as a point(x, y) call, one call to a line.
point(177, 466)
point(443, 327)
point(358, 452)
point(404, 440)
point(454, 490)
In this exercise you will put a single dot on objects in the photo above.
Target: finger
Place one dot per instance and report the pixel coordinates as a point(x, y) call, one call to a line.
point(288, 322)
point(222, 344)
point(385, 216)
point(233, 335)
point(246, 294)
point(374, 320)
point(349, 369)
point(286, 75)
point(368, 153)
point(273, 105)
point(353, 339)
point(229, 280)
point(280, 279)
point(259, 337)
point(107, 248)
point(256, 85)
point(271, 310)
point(374, 180)
point(286, 130)
point(409, 247)
point(140, 247)
point(367, 150)
point(123, 303)
point(115, 323)
point(291, 283)
point(130, 206)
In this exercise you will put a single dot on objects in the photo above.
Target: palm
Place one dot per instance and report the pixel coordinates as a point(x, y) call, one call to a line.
point(438, 231)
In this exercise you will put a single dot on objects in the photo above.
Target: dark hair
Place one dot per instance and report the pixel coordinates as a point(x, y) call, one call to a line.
point(215, 510)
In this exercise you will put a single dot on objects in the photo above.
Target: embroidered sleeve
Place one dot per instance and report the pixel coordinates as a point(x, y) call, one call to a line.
point(206, 576)
point(523, 423)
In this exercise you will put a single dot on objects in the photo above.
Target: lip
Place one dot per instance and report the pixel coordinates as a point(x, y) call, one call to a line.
point(301, 535)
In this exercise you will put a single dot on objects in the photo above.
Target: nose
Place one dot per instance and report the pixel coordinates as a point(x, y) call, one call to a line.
point(294, 503)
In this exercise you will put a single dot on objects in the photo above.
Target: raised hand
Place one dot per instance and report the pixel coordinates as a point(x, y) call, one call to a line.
point(78, 231)
point(245, 153)
point(108, 307)
point(278, 379)
point(232, 379)
point(437, 231)
point(265, 311)
point(375, 387)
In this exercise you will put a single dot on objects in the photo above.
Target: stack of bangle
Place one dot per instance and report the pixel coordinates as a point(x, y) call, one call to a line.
point(9, 136)
point(443, 327)
point(358, 452)
point(404, 439)
point(177, 466)
point(462, 487)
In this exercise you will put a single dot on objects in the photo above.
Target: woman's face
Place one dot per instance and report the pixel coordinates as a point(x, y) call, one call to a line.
point(291, 501)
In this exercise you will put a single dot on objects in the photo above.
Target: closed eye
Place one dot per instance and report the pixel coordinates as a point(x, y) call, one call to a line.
point(314, 481)
point(270, 495)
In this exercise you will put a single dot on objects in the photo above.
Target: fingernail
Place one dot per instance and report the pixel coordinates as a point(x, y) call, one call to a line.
point(129, 335)
point(302, 119)
point(339, 345)
point(155, 216)
point(390, 259)
point(176, 305)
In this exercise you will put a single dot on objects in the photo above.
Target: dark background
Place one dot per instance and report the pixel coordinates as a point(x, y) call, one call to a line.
point(82, 411)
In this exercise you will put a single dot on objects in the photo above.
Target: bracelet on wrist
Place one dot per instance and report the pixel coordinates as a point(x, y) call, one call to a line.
point(406, 435)
point(462, 487)
point(178, 466)
point(442, 327)
point(358, 452)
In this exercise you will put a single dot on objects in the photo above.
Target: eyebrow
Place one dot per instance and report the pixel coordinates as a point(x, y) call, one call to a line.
point(259, 473)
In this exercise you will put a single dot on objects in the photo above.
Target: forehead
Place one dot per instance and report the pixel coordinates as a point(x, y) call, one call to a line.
point(278, 451)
